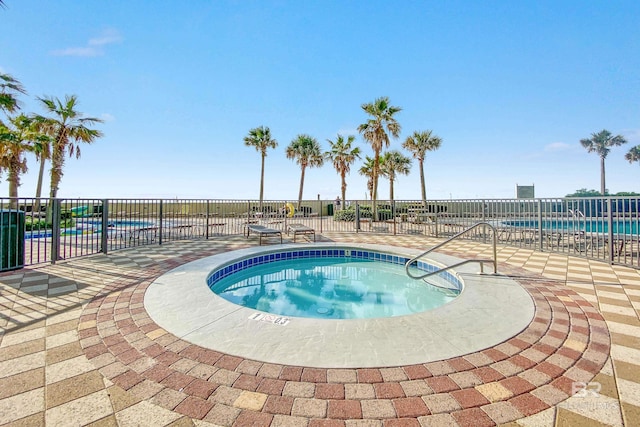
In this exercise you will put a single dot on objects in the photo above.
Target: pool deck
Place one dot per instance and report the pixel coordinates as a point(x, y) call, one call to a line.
point(78, 347)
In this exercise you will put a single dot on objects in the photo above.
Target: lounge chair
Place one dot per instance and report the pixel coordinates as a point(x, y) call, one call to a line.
point(147, 234)
point(261, 230)
point(297, 228)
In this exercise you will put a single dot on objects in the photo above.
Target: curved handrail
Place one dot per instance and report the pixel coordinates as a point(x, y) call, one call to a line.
point(481, 261)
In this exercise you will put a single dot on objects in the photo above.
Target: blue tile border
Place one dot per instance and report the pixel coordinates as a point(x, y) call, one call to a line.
point(245, 263)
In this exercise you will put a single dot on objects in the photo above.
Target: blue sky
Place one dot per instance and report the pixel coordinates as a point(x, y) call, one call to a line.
point(510, 87)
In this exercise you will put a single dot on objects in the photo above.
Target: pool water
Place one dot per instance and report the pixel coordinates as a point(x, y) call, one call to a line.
point(619, 226)
point(118, 223)
point(41, 234)
point(331, 288)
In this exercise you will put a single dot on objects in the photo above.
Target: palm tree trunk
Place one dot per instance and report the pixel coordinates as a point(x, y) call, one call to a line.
point(374, 192)
point(262, 181)
point(344, 191)
point(301, 187)
point(14, 181)
point(603, 188)
point(57, 162)
point(422, 183)
point(56, 175)
point(391, 189)
point(36, 208)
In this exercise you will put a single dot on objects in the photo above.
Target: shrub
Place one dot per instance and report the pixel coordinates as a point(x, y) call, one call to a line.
point(344, 215)
point(31, 224)
point(34, 224)
point(384, 214)
point(349, 214)
point(401, 208)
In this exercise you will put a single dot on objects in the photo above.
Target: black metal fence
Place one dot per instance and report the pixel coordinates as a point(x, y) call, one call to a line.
point(37, 231)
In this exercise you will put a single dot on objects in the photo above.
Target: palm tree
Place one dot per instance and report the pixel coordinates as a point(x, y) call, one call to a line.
point(633, 155)
point(260, 138)
point(342, 156)
point(306, 151)
point(9, 89)
point(367, 170)
point(393, 163)
point(418, 144)
point(375, 131)
point(14, 142)
point(601, 144)
point(67, 127)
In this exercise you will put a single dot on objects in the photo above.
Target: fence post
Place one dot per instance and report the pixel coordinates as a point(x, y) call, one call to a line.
point(357, 218)
point(484, 207)
point(539, 206)
point(55, 230)
point(206, 223)
point(105, 225)
point(321, 217)
point(610, 230)
point(393, 215)
point(160, 224)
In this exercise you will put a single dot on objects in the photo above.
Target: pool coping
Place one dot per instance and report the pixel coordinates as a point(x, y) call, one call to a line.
point(490, 310)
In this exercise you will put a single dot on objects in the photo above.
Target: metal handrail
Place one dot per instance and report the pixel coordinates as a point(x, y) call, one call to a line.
point(481, 261)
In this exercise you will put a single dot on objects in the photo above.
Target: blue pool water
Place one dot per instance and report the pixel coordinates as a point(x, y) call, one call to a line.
point(40, 234)
point(330, 287)
point(122, 223)
point(619, 226)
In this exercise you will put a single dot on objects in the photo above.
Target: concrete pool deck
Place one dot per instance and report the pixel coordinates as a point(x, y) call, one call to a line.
point(78, 347)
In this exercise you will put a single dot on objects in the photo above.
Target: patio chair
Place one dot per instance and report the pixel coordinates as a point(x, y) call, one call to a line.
point(297, 228)
point(180, 231)
point(583, 242)
point(142, 234)
point(261, 231)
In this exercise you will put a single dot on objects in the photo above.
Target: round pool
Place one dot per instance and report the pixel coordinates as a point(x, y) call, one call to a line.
point(339, 283)
point(489, 310)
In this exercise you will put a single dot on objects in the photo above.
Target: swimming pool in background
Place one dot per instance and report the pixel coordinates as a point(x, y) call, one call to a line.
point(332, 284)
point(591, 226)
point(117, 223)
point(42, 234)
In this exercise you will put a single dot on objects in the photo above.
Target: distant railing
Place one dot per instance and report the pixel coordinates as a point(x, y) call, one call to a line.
point(604, 228)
